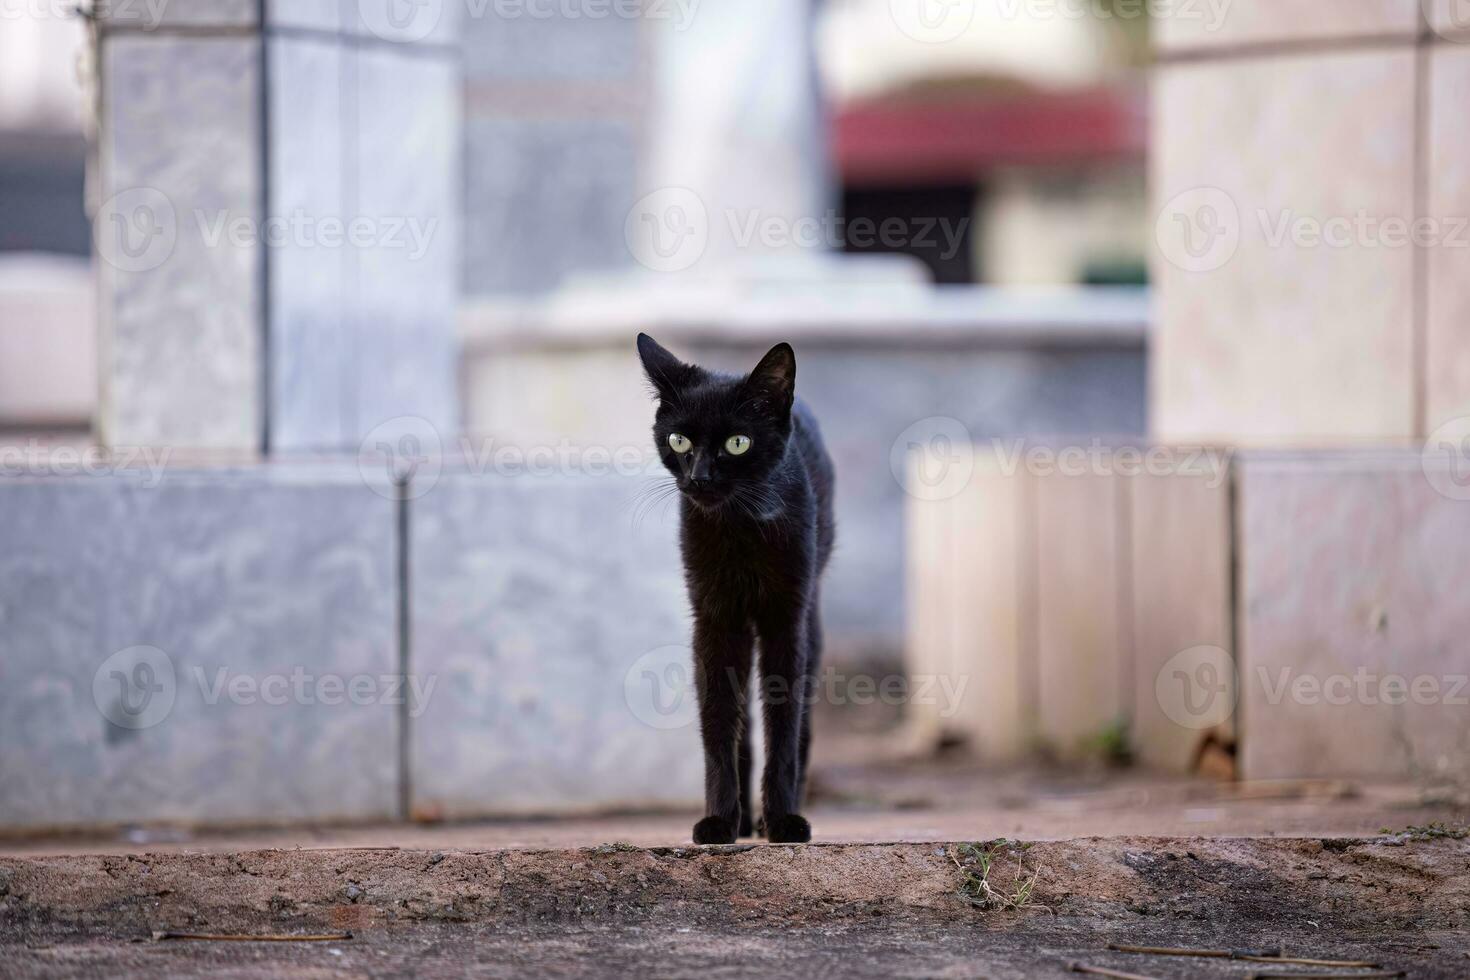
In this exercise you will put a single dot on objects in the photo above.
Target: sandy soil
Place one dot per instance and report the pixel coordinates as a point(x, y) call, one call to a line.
point(850, 910)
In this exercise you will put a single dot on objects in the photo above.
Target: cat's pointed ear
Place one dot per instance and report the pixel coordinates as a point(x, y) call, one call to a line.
point(667, 373)
point(774, 378)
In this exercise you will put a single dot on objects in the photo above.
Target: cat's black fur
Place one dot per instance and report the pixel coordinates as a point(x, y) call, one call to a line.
point(756, 533)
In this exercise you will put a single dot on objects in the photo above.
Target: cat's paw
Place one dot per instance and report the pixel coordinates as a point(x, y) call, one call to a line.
point(788, 828)
point(747, 829)
point(714, 830)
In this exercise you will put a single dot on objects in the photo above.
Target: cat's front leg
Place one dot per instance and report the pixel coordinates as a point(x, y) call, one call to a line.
point(784, 697)
point(722, 655)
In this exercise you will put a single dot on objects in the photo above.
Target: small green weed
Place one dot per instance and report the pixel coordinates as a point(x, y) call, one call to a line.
point(1434, 831)
point(975, 863)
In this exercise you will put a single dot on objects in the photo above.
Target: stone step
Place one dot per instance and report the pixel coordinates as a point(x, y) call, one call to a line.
point(1410, 881)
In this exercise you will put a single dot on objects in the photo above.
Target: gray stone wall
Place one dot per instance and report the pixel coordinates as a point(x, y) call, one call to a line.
point(135, 605)
point(276, 224)
point(311, 642)
point(545, 612)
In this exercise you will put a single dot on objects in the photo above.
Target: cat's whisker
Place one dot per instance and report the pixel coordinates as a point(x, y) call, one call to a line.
point(652, 502)
point(649, 497)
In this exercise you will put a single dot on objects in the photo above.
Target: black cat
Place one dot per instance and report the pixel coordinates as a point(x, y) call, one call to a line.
point(756, 532)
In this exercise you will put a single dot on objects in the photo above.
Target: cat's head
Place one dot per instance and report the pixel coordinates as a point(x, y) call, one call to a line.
point(721, 436)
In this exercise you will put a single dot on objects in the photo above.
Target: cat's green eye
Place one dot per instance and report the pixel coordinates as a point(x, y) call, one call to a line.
point(736, 445)
point(679, 444)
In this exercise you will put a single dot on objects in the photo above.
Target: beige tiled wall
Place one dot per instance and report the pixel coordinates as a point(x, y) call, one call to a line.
point(1280, 340)
point(1309, 604)
point(1353, 619)
point(989, 531)
point(1056, 599)
point(968, 615)
point(1180, 602)
point(929, 573)
point(1225, 23)
point(1448, 310)
point(1081, 662)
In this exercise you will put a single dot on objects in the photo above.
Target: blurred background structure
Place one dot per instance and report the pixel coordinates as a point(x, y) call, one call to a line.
point(316, 358)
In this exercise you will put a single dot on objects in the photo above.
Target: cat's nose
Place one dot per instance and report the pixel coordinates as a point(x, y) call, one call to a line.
point(698, 484)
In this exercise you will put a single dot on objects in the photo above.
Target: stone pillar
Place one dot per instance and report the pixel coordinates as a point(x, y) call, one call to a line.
point(1313, 220)
point(1292, 141)
point(276, 222)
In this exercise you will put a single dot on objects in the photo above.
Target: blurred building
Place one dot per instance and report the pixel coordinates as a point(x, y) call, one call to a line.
point(47, 318)
point(1027, 130)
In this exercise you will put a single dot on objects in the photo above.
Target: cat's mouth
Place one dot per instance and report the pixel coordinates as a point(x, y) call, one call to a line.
point(709, 498)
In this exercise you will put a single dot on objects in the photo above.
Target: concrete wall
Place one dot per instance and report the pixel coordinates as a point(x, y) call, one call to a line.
point(135, 599)
point(1303, 604)
point(311, 641)
point(558, 629)
point(275, 217)
point(1059, 585)
point(1352, 620)
point(1297, 145)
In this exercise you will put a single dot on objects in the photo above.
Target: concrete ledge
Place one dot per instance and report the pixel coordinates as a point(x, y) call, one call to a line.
point(901, 317)
point(1336, 885)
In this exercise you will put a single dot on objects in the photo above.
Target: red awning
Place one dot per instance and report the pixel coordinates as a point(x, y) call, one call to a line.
point(906, 141)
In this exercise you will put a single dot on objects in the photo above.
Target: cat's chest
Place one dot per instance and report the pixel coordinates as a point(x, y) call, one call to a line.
point(754, 563)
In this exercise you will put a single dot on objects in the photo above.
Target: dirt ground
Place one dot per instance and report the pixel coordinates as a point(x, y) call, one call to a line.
point(1034, 946)
point(894, 886)
point(815, 910)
